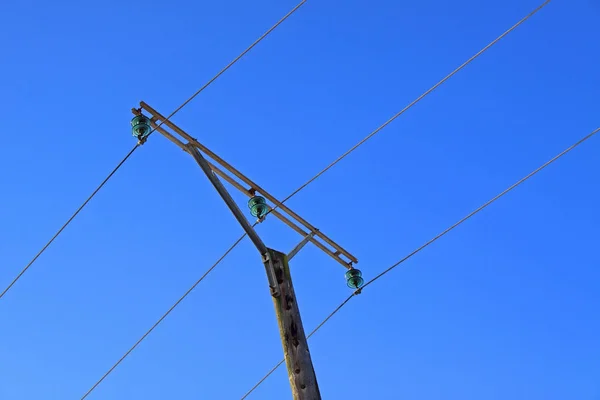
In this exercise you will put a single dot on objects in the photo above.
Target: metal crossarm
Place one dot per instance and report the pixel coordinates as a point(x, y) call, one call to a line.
point(245, 185)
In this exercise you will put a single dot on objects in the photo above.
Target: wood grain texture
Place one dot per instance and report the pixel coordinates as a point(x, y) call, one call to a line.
point(301, 373)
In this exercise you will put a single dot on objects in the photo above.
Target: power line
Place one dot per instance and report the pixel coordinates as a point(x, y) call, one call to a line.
point(369, 136)
point(264, 35)
point(435, 238)
point(68, 221)
point(164, 316)
point(309, 182)
point(242, 54)
point(486, 204)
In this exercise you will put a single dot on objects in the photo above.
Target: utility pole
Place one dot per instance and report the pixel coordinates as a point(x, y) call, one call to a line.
point(301, 373)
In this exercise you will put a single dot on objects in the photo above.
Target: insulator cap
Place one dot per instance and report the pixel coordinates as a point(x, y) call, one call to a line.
point(258, 206)
point(354, 278)
point(140, 126)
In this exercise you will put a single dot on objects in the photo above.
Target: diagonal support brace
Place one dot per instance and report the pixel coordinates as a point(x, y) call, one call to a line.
point(237, 213)
point(300, 245)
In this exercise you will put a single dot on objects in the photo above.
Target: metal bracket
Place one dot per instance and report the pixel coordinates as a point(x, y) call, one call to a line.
point(271, 276)
point(300, 245)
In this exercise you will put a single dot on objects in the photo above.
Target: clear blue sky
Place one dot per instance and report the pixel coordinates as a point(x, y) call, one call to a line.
point(505, 307)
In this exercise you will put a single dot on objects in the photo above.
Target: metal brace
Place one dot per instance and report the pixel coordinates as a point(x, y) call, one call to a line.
point(300, 245)
point(271, 276)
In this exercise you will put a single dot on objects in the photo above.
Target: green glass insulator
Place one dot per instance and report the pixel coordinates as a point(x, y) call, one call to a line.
point(140, 126)
point(258, 206)
point(354, 278)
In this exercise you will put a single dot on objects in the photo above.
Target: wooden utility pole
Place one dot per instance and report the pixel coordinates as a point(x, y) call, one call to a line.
point(301, 373)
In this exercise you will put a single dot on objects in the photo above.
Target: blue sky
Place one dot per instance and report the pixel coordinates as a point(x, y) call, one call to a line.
point(505, 307)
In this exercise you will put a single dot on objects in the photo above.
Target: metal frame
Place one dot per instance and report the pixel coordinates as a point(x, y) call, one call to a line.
point(229, 174)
